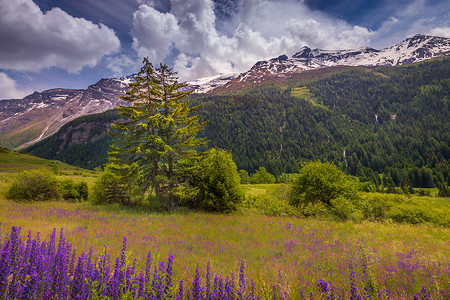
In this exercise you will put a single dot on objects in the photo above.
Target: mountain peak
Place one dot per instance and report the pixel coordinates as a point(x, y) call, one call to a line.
point(414, 49)
point(304, 52)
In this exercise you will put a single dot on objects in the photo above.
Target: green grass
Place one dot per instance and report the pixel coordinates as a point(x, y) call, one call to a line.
point(301, 250)
point(305, 94)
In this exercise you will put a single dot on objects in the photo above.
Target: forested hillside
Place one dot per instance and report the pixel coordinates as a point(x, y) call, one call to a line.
point(391, 120)
point(369, 121)
point(83, 142)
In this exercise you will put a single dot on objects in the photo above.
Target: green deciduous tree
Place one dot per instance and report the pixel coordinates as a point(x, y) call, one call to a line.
point(245, 178)
point(323, 184)
point(154, 147)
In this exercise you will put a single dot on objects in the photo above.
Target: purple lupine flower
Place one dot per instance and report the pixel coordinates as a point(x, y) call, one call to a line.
point(169, 274)
point(78, 279)
point(253, 291)
point(148, 269)
point(5, 267)
point(180, 291)
point(241, 290)
point(208, 280)
point(196, 286)
point(220, 288)
point(387, 295)
point(141, 283)
point(425, 295)
point(353, 291)
point(154, 287)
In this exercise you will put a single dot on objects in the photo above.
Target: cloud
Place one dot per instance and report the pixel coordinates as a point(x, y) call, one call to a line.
point(440, 31)
point(154, 32)
point(255, 30)
point(8, 89)
point(32, 40)
point(120, 65)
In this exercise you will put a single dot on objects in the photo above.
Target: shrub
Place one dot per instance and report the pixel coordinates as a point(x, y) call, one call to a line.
point(34, 185)
point(262, 176)
point(245, 178)
point(323, 184)
point(109, 188)
point(218, 182)
point(367, 187)
point(73, 192)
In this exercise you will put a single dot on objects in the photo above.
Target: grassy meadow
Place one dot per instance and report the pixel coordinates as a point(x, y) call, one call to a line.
point(285, 257)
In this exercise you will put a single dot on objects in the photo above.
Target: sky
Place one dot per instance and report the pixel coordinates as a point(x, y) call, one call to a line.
point(74, 43)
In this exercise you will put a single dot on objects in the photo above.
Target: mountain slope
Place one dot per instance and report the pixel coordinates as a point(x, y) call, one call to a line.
point(39, 115)
point(370, 121)
point(82, 142)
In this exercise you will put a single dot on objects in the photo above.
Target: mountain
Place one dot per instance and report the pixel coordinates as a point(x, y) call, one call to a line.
point(39, 115)
point(82, 142)
point(316, 63)
point(369, 121)
point(31, 119)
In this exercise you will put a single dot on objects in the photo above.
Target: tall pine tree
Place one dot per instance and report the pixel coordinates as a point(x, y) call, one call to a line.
point(154, 146)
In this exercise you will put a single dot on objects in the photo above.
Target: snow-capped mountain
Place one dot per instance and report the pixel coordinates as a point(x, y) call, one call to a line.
point(33, 118)
point(415, 49)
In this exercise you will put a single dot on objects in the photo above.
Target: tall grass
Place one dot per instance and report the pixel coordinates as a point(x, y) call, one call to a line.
point(291, 255)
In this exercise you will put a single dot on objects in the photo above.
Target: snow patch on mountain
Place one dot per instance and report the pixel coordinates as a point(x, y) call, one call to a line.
point(206, 84)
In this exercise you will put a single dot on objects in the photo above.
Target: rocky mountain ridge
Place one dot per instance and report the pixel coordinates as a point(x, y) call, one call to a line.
point(412, 50)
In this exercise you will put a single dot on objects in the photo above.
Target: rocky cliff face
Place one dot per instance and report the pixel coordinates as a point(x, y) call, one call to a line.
point(39, 115)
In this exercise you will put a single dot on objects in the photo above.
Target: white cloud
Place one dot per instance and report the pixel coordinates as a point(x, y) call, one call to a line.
point(154, 32)
point(8, 89)
point(32, 40)
point(440, 31)
point(258, 30)
point(120, 65)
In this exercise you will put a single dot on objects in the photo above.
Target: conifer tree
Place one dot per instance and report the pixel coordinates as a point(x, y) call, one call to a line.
point(154, 147)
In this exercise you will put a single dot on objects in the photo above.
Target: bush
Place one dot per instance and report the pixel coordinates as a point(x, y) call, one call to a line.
point(73, 192)
point(109, 188)
point(245, 178)
point(404, 209)
point(218, 183)
point(262, 176)
point(323, 184)
point(35, 185)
